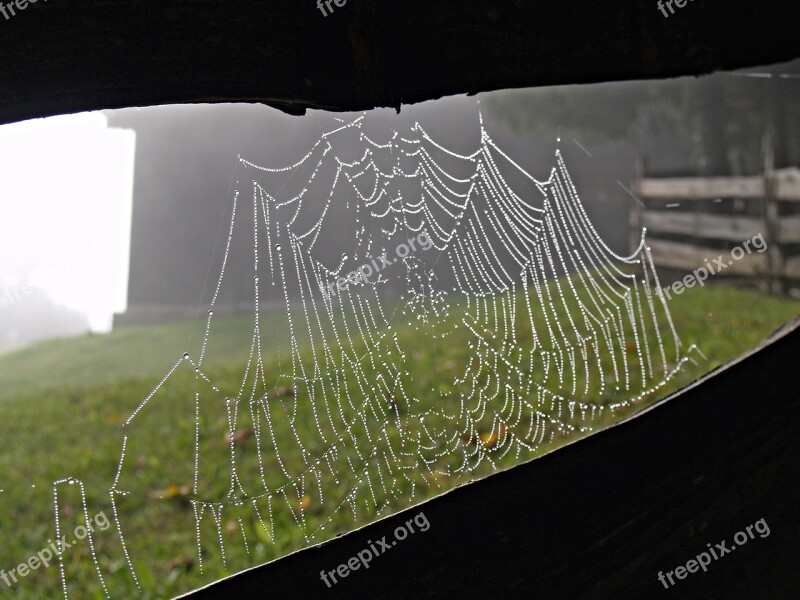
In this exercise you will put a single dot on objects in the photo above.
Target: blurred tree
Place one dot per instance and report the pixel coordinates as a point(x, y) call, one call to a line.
point(726, 115)
point(28, 315)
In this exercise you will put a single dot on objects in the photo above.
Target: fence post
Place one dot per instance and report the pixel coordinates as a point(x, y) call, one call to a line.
point(771, 216)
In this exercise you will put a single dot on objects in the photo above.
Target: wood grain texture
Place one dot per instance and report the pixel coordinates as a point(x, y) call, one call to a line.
point(73, 55)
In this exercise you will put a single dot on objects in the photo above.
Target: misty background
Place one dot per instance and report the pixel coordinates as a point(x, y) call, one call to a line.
point(115, 219)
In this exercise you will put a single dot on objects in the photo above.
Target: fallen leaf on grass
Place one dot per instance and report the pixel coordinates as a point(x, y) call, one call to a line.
point(171, 492)
point(491, 439)
point(283, 392)
point(239, 435)
point(182, 562)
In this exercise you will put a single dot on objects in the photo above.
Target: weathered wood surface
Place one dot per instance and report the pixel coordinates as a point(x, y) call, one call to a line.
point(778, 231)
point(701, 188)
point(789, 229)
point(688, 257)
point(792, 267)
point(787, 185)
point(718, 227)
point(785, 182)
point(75, 55)
point(734, 228)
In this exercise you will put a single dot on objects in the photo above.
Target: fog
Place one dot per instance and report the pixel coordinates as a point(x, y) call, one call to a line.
point(88, 232)
point(65, 202)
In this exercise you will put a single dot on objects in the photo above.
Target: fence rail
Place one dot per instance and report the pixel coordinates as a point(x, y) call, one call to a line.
point(785, 184)
point(683, 235)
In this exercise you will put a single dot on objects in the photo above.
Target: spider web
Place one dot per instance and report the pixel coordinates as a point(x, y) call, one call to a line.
point(336, 407)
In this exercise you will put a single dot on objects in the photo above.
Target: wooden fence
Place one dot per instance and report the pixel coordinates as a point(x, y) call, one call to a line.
point(689, 220)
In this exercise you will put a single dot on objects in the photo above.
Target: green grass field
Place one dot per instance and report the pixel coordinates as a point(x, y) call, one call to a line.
point(63, 403)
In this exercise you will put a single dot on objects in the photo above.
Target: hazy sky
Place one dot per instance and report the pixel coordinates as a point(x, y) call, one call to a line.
point(65, 209)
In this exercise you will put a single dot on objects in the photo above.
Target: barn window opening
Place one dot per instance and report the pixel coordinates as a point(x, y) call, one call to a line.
point(333, 317)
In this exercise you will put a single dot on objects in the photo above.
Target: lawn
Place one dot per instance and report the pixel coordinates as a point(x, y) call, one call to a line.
point(64, 402)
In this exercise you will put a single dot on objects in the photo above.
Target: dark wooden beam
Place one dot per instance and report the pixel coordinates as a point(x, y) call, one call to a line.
point(74, 55)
